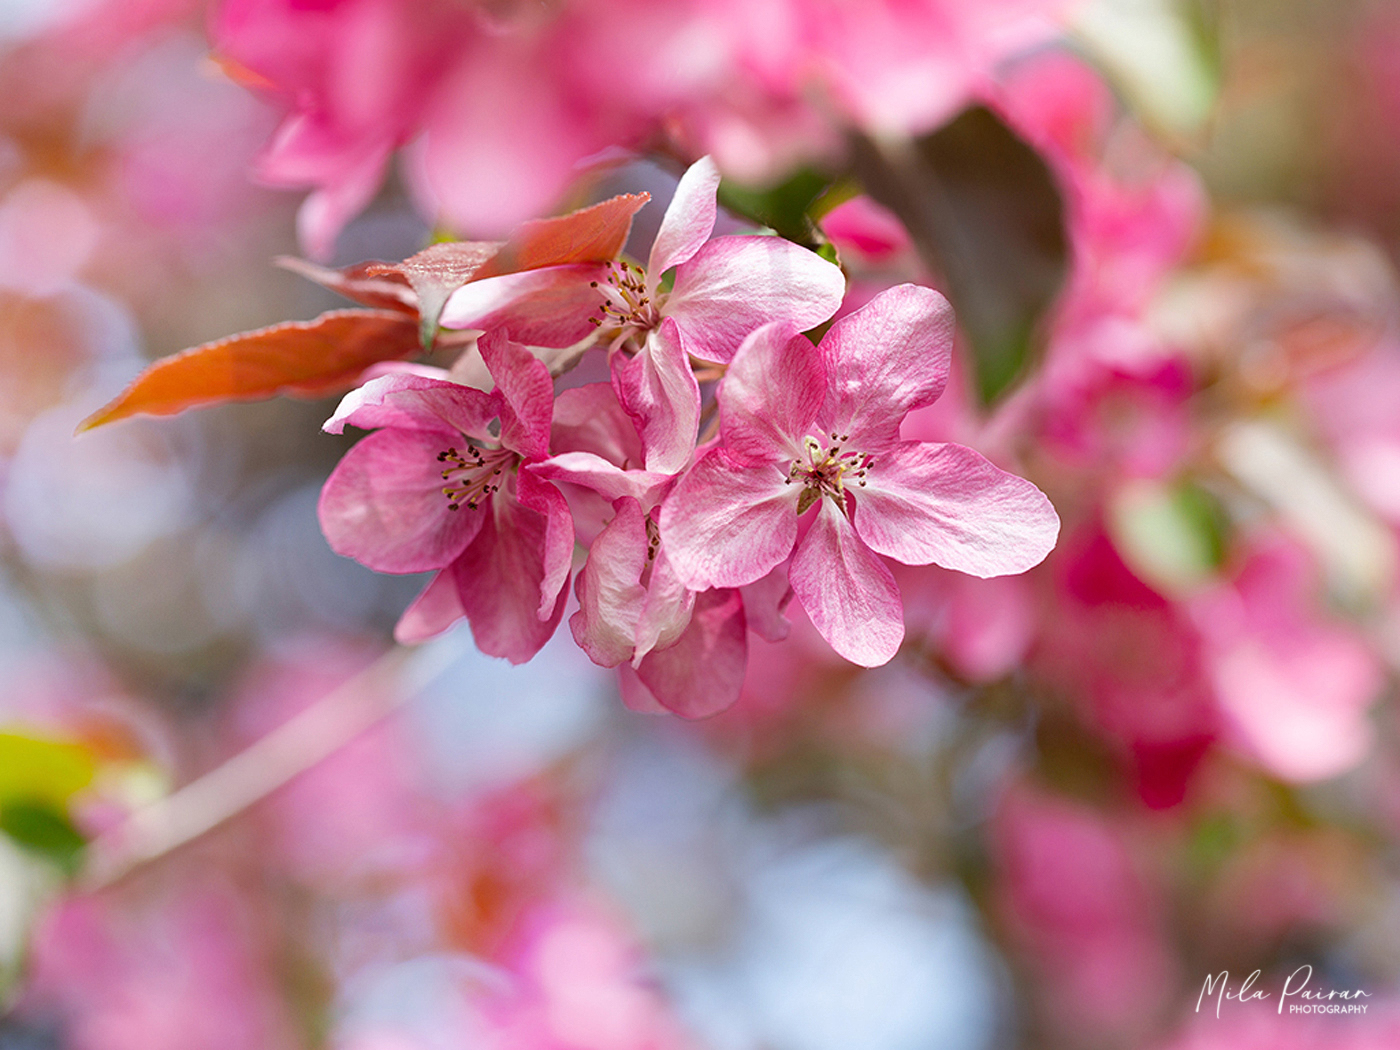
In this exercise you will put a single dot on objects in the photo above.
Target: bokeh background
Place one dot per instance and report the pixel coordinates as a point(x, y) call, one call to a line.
point(1170, 750)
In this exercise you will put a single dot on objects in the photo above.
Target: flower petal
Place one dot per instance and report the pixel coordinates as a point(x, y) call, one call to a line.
point(432, 612)
point(557, 548)
point(636, 696)
point(890, 356)
point(500, 579)
point(946, 504)
point(726, 524)
point(765, 601)
point(689, 218)
point(848, 592)
point(596, 473)
point(550, 306)
point(527, 394)
point(772, 392)
point(415, 402)
point(703, 673)
point(735, 284)
point(589, 418)
point(609, 589)
point(659, 392)
point(667, 609)
point(383, 504)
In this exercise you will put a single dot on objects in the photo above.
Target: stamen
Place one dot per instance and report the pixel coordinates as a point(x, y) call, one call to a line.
point(827, 470)
point(471, 474)
point(627, 308)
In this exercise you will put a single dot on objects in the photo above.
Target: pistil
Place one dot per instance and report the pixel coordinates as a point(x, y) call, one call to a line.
point(827, 469)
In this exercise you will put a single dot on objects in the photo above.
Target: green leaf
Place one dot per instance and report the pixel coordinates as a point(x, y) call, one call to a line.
point(49, 771)
point(985, 213)
point(1163, 55)
point(1174, 537)
point(44, 830)
point(784, 208)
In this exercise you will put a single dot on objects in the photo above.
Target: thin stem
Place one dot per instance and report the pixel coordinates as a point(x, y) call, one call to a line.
point(254, 773)
point(709, 422)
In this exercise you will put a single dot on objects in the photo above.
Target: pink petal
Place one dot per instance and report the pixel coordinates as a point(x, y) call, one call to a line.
point(703, 673)
point(636, 696)
point(848, 592)
point(557, 549)
point(610, 482)
point(890, 356)
point(383, 504)
point(689, 218)
point(590, 419)
point(327, 209)
point(765, 601)
point(1302, 711)
point(415, 402)
point(500, 578)
point(432, 612)
point(771, 394)
point(726, 524)
point(666, 611)
point(947, 505)
point(502, 139)
point(610, 594)
point(659, 392)
point(345, 169)
point(550, 306)
point(527, 395)
point(735, 284)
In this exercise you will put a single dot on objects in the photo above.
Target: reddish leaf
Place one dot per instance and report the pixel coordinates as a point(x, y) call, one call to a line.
point(303, 358)
point(434, 274)
point(363, 283)
point(310, 358)
point(589, 235)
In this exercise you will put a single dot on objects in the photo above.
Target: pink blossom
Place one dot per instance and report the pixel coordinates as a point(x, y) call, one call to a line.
point(806, 426)
point(724, 288)
point(435, 488)
point(630, 600)
point(493, 101)
point(187, 969)
point(1293, 687)
point(900, 68)
point(1134, 660)
point(685, 652)
point(1088, 919)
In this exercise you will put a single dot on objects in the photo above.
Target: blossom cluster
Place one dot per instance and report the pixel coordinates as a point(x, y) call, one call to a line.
point(498, 104)
point(742, 467)
point(799, 485)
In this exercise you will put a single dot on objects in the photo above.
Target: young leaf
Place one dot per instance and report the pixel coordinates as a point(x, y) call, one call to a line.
point(984, 211)
point(304, 358)
point(45, 830)
point(424, 282)
point(48, 770)
point(590, 235)
point(784, 208)
point(311, 358)
point(361, 283)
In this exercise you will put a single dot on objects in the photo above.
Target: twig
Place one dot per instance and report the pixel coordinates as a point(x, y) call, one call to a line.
point(254, 773)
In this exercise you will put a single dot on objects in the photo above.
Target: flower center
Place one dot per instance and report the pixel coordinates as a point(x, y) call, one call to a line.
point(628, 308)
point(473, 475)
point(825, 469)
